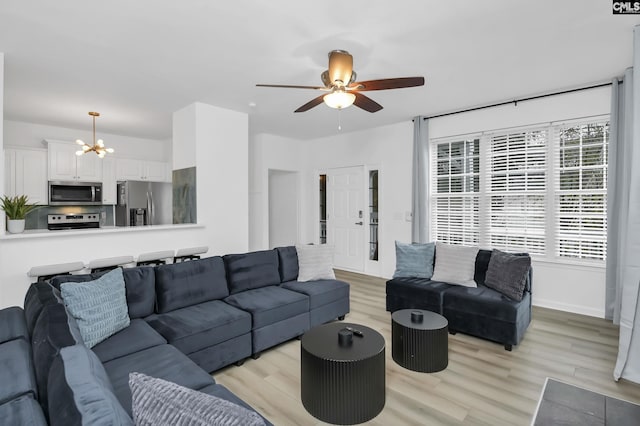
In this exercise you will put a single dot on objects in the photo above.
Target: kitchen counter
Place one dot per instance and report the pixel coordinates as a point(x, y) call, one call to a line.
point(45, 233)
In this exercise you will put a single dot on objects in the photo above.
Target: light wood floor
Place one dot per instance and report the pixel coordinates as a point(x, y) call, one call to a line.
point(483, 384)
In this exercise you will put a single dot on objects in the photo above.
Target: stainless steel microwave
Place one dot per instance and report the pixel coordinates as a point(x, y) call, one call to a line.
point(75, 193)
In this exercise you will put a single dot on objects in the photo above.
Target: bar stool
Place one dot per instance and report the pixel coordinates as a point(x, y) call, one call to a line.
point(44, 272)
point(190, 253)
point(154, 258)
point(108, 263)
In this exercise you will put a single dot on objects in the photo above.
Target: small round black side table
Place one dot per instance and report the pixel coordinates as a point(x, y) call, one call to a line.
point(342, 374)
point(419, 340)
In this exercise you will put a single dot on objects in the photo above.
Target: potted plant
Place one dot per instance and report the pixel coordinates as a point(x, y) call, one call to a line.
point(16, 208)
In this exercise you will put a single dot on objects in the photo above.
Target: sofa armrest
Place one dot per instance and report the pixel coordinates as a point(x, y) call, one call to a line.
point(13, 324)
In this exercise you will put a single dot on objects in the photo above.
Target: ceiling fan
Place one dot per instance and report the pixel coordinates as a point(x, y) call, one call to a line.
point(340, 81)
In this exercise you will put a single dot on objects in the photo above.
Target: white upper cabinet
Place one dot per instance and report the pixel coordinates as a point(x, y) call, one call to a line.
point(26, 174)
point(153, 171)
point(64, 164)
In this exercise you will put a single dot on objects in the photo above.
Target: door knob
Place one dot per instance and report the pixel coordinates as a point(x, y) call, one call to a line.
point(359, 223)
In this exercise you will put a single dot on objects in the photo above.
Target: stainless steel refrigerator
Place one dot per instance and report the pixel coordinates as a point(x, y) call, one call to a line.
point(144, 203)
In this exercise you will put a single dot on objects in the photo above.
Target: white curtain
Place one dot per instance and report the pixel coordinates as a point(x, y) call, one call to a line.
point(420, 188)
point(623, 240)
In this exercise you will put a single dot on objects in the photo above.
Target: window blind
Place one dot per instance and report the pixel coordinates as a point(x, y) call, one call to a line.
point(580, 183)
point(516, 189)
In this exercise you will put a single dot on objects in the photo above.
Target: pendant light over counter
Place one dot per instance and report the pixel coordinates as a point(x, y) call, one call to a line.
point(98, 146)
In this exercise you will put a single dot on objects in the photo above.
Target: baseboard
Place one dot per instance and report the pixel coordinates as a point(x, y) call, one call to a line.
point(567, 307)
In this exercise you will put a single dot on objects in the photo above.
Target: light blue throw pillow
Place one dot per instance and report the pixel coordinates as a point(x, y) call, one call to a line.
point(99, 306)
point(414, 260)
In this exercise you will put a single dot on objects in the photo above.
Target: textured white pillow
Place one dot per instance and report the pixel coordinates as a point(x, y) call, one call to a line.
point(315, 262)
point(455, 264)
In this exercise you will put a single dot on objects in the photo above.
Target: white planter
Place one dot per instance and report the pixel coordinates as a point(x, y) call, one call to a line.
point(15, 226)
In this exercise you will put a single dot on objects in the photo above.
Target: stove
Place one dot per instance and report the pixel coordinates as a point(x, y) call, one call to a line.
point(73, 221)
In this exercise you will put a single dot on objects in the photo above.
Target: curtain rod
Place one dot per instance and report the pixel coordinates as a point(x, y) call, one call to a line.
point(515, 101)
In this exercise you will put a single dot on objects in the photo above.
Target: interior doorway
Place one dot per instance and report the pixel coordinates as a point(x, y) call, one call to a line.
point(346, 216)
point(283, 208)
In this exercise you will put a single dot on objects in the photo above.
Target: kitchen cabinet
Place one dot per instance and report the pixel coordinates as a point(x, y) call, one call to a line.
point(109, 182)
point(152, 171)
point(65, 165)
point(26, 174)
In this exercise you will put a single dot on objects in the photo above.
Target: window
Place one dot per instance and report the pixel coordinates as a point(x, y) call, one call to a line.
point(455, 205)
point(373, 215)
point(517, 185)
point(541, 190)
point(323, 209)
point(581, 191)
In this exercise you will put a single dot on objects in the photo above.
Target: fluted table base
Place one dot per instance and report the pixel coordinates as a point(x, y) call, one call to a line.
point(420, 346)
point(345, 386)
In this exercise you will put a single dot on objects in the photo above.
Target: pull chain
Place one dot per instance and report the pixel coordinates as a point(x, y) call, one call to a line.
point(339, 119)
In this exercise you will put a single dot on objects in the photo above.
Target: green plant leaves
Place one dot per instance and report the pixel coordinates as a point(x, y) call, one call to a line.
point(17, 207)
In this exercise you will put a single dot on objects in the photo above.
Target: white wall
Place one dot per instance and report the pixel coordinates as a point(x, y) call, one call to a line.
point(219, 141)
point(387, 149)
point(573, 288)
point(283, 208)
point(22, 134)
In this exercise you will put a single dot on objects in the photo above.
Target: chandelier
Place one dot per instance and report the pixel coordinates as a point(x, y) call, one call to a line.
point(98, 146)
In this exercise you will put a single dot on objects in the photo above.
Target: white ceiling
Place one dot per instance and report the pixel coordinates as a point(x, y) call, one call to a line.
point(136, 62)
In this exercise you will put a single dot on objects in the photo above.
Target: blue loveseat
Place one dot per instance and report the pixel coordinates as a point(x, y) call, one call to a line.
point(481, 312)
point(187, 319)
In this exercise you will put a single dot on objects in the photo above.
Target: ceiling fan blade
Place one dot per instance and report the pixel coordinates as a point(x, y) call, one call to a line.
point(366, 103)
point(387, 83)
point(312, 103)
point(288, 86)
point(340, 66)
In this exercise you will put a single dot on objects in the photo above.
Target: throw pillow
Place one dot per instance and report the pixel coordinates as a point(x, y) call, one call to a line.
point(455, 264)
point(414, 260)
point(80, 392)
point(315, 262)
point(507, 273)
point(99, 306)
point(157, 402)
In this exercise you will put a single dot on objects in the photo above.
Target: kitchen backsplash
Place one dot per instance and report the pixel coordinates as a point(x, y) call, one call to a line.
point(38, 218)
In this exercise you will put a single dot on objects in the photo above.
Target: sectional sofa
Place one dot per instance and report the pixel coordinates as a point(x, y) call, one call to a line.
point(186, 320)
point(482, 312)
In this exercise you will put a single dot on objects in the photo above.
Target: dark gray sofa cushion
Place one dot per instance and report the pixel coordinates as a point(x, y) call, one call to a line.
point(54, 330)
point(136, 337)
point(164, 361)
point(139, 285)
point(38, 295)
point(185, 284)
point(16, 370)
point(415, 293)
point(80, 392)
point(320, 292)
point(224, 393)
point(22, 411)
point(269, 305)
point(252, 270)
point(13, 324)
point(481, 301)
point(288, 263)
point(206, 324)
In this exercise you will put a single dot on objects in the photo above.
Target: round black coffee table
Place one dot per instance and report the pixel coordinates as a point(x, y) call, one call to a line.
point(342, 383)
point(420, 340)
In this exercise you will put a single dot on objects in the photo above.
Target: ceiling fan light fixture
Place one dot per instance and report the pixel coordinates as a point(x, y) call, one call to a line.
point(339, 99)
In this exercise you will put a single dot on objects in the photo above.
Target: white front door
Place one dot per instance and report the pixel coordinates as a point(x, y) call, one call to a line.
point(345, 217)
